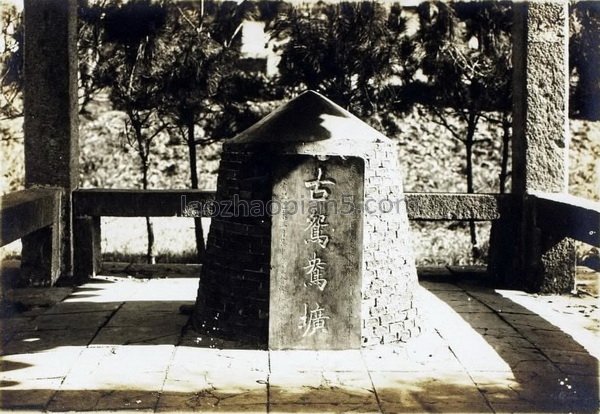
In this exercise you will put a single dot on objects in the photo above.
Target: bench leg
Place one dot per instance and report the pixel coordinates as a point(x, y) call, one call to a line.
point(41, 257)
point(87, 251)
point(526, 254)
point(552, 259)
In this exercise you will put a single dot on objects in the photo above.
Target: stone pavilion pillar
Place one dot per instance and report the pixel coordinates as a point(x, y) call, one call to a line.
point(51, 127)
point(521, 257)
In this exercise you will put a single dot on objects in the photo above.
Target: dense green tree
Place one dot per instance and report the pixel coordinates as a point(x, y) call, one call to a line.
point(201, 90)
point(89, 49)
point(466, 63)
point(584, 53)
point(348, 51)
point(127, 65)
point(11, 61)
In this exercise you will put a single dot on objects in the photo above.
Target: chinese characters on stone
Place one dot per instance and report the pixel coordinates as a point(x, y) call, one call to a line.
point(315, 268)
point(318, 186)
point(314, 321)
point(316, 224)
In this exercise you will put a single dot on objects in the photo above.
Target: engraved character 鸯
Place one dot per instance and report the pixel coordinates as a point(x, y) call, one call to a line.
point(315, 269)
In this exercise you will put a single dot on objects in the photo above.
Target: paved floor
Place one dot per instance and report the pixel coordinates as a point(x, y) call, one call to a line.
point(120, 344)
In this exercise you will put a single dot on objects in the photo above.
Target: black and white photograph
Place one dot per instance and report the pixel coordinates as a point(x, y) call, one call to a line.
point(285, 206)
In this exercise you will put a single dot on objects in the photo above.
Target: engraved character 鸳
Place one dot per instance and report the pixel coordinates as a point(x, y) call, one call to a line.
point(316, 224)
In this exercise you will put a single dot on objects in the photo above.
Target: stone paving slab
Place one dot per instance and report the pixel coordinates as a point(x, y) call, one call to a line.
point(128, 324)
point(194, 339)
point(235, 387)
point(120, 345)
point(139, 366)
point(212, 389)
point(132, 318)
point(82, 307)
point(52, 363)
point(9, 327)
point(143, 307)
point(345, 360)
point(37, 297)
point(301, 361)
point(138, 335)
point(103, 400)
point(571, 357)
point(200, 402)
point(326, 387)
point(324, 408)
point(34, 395)
point(106, 289)
point(542, 388)
point(437, 286)
point(295, 361)
point(427, 352)
point(30, 341)
point(72, 320)
point(189, 361)
point(428, 392)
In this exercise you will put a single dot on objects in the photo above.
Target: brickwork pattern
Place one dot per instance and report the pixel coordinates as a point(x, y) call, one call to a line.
point(389, 275)
point(233, 295)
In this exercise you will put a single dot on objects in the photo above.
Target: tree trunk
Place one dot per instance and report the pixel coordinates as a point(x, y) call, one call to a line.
point(143, 149)
point(199, 234)
point(469, 142)
point(506, 124)
point(85, 101)
point(150, 253)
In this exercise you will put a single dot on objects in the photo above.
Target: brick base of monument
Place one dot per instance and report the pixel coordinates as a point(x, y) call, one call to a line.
point(315, 279)
point(233, 295)
point(389, 313)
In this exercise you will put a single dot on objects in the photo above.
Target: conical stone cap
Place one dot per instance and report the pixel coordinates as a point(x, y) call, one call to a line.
point(310, 117)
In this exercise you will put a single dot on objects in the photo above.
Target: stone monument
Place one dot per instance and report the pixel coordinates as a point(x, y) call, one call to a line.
point(309, 244)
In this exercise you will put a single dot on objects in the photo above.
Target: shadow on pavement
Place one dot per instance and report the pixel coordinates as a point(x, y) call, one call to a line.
point(549, 370)
point(46, 346)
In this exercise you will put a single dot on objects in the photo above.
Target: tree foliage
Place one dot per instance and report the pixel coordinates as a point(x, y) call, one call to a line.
point(201, 91)
point(11, 61)
point(130, 46)
point(347, 51)
point(196, 62)
point(584, 53)
point(465, 51)
point(90, 34)
point(465, 55)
